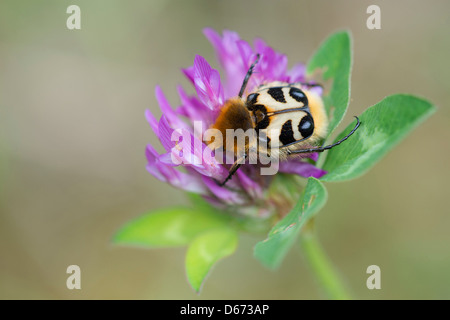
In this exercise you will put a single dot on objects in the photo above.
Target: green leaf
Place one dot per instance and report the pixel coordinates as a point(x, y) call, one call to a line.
point(283, 235)
point(169, 227)
point(382, 127)
point(205, 251)
point(334, 61)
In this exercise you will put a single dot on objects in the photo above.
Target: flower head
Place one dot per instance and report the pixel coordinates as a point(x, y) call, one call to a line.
point(200, 171)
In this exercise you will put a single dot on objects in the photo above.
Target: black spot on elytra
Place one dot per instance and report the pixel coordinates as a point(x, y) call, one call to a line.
point(298, 95)
point(277, 94)
point(306, 126)
point(287, 134)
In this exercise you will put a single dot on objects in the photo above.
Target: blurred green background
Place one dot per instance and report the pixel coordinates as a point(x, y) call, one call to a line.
point(73, 133)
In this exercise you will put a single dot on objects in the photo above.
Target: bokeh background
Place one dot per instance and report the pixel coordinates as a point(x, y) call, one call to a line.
point(73, 133)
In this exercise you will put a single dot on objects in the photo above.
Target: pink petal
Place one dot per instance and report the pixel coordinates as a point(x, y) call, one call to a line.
point(303, 169)
point(297, 73)
point(165, 133)
point(193, 109)
point(189, 73)
point(251, 187)
point(188, 150)
point(216, 41)
point(207, 83)
point(152, 121)
point(228, 196)
point(167, 111)
point(272, 65)
point(314, 156)
point(228, 48)
point(165, 173)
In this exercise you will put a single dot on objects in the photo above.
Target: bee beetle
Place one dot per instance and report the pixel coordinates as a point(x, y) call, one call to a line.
point(289, 118)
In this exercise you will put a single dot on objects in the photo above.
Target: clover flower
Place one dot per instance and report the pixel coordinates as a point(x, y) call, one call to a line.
point(198, 112)
point(261, 203)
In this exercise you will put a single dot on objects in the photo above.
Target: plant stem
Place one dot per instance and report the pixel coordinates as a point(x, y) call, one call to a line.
point(321, 266)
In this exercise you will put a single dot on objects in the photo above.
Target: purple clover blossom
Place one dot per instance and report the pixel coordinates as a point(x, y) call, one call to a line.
point(201, 173)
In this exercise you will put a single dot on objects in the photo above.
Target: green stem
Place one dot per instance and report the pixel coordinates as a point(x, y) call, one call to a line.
point(321, 266)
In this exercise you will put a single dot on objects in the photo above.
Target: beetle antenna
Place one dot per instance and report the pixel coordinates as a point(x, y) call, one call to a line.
point(321, 149)
point(248, 75)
